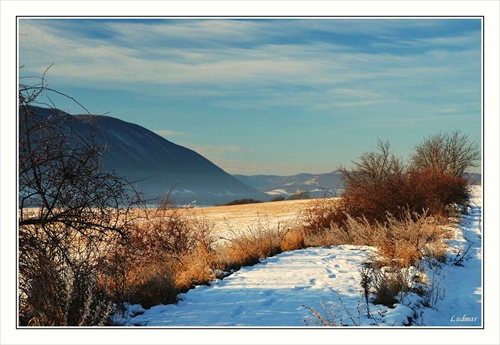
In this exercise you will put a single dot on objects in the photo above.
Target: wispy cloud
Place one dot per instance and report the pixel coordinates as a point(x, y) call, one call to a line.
point(210, 52)
point(256, 64)
point(369, 73)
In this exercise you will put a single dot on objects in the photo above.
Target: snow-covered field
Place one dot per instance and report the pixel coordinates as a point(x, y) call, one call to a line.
point(280, 291)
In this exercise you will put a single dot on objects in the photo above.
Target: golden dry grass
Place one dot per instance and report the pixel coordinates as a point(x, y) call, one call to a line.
point(169, 250)
point(247, 215)
point(211, 239)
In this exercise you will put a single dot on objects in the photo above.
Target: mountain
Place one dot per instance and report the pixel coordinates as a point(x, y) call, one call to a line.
point(157, 166)
point(317, 185)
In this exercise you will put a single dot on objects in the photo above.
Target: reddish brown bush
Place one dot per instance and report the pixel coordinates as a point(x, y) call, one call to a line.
point(374, 200)
point(380, 184)
point(321, 214)
point(427, 190)
point(167, 251)
point(435, 190)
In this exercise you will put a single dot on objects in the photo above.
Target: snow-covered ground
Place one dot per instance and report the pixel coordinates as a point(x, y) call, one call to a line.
point(280, 291)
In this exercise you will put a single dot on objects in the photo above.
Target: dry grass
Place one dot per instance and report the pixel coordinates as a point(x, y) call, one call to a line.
point(293, 239)
point(401, 242)
point(176, 249)
point(237, 218)
point(170, 250)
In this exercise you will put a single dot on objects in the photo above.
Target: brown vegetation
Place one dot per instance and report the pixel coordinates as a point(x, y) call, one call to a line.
point(398, 209)
point(170, 250)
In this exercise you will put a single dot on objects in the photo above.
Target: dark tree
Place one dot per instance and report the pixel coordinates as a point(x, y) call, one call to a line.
point(70, 210)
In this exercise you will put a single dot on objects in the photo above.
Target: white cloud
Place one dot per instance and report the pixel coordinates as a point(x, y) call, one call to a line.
point(138, 54)
point(243, 64)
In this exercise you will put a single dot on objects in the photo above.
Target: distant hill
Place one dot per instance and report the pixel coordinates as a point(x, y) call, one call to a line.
point(158, 165)
point(317, 185)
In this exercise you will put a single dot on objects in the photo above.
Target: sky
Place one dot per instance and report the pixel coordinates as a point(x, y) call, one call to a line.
point(262, 95)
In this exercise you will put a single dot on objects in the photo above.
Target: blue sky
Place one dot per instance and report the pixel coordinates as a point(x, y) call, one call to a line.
point(268, 96)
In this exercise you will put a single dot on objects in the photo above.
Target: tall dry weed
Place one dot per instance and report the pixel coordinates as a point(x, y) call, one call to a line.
point(247, 247)
point(167, 251)
point(293, 240)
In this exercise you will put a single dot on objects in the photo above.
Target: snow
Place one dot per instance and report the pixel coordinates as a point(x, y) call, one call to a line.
point(277, 192)
point(270, 293)
point(280, 291)
point(311, 182)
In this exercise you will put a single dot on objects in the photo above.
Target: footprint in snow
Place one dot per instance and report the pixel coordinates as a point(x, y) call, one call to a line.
point(268, 302)
point(331, 274)
point(330, 258)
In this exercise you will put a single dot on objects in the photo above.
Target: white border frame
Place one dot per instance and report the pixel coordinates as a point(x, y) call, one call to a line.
point(9, 334)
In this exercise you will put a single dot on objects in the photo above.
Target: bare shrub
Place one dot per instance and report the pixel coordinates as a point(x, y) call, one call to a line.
point(375, 186)
point(320, 214)
point(334, 315)
point(374, 166)
point(435, 191)
point(433, 289)
point(380, 183)
point(390, 285)
point(401, 242)
point(42, 304)
point(196, 268)
point(358, 231)
point(153, 285)
point(373, 200)
point(71, 210)
point(450, 154)
point(167, 252)
point(408, 240)
point(199, 265)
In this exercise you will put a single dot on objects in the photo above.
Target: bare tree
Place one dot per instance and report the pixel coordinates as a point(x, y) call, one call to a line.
point(381, 182)
point(452, 154)
point(70, 210)
point(374, 166)
point(375, 185)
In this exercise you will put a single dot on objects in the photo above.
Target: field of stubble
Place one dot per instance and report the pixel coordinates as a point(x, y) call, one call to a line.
point(267, 215)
